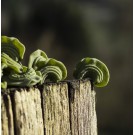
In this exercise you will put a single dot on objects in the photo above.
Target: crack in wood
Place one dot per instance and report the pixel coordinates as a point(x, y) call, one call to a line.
point(64, 108)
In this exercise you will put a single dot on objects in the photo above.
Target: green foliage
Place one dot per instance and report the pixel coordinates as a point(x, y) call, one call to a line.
point(40, 67)
point(12, 47)
point(37, 59)
point(50, 69)
point(94, 69)
point(28, 77)
point(8, 62)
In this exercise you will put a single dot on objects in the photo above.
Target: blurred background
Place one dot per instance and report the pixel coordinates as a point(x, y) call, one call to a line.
point(72, 30)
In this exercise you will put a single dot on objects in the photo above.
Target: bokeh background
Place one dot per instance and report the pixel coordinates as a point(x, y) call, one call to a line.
point(71, 30)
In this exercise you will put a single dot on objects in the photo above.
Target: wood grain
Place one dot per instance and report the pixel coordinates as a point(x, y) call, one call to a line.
point(28, 112)
point(64, 108)
point(82, 109)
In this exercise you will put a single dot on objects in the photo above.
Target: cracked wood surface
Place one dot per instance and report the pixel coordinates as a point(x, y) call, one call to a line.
point(65, 108)
point(82, 109)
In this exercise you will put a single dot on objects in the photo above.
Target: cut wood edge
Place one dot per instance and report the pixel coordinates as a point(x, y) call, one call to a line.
point(62, 108)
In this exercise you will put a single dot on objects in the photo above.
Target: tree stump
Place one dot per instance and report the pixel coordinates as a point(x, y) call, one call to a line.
point(64, 108)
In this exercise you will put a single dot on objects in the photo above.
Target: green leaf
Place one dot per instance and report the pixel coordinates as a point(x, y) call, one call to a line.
point(28, 77)
point(94, 69)
point(3, 85)
point(12, 47)
point(54, 70)
point(9, 63)
point(37, 59)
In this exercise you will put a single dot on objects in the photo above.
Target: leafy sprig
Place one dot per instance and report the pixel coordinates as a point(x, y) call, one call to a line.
point(40, 67)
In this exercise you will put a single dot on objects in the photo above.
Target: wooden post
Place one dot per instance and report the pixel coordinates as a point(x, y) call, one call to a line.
point(64, 108)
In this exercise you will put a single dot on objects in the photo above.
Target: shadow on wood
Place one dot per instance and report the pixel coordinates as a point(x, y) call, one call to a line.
point(64, 108)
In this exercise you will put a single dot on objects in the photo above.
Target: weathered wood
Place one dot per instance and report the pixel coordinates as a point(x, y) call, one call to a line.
point(56, 109)
point(28, 112)
point(65, 108)
point(82, 109)
point(7, 125)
